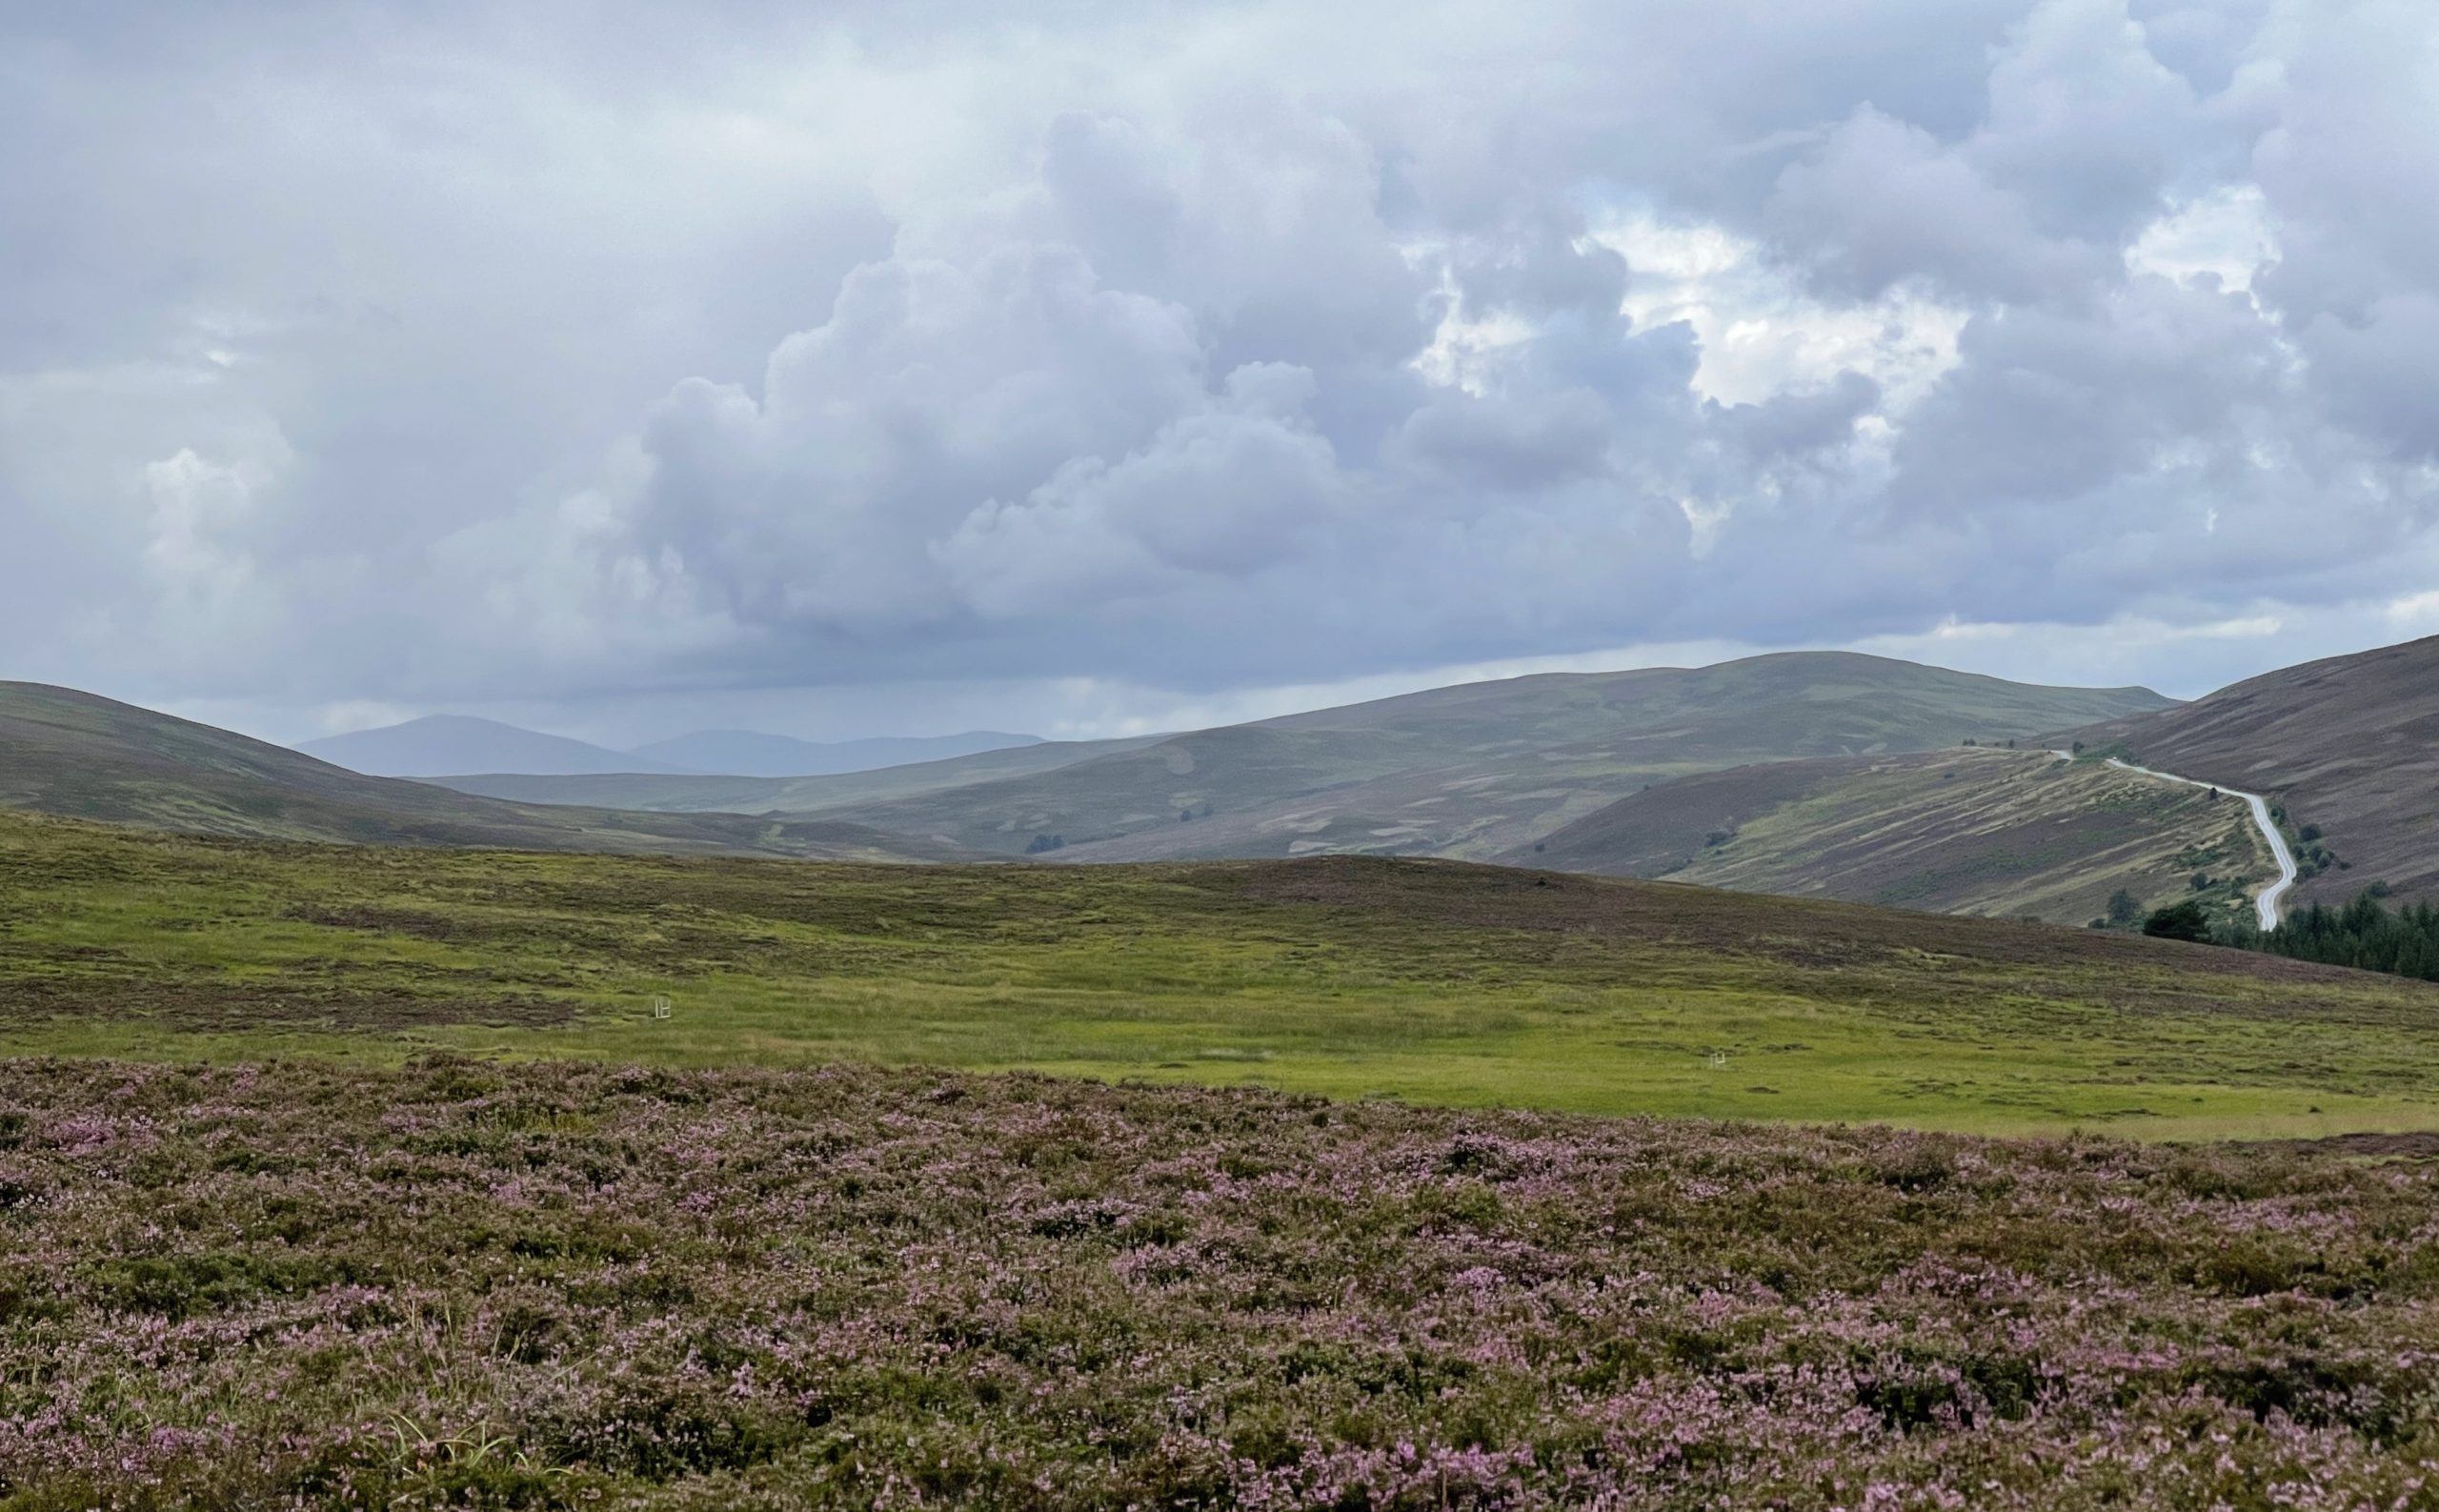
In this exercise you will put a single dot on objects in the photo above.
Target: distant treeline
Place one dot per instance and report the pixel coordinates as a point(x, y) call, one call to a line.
point(2363, 934)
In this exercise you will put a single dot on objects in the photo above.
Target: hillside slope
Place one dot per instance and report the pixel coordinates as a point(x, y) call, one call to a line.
point(1472, 770)
point(2011, 832)
point(2350, 744)
point(1803, 702)
point(75, 754)
point(791, 794)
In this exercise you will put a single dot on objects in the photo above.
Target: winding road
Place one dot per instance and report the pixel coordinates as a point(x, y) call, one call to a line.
point(2267, 901)
point(2270, 895)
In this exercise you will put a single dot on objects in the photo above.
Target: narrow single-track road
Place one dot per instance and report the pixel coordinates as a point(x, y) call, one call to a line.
point(2270, 895)
point(2276, 892)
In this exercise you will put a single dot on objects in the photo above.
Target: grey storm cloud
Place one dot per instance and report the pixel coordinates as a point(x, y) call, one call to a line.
point(455, 352)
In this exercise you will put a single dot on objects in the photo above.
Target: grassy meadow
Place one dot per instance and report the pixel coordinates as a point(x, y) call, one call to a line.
point(1426, 981)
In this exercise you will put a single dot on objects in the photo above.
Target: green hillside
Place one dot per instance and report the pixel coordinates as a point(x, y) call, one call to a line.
point(2006, 833)
point(71, 754)
point(1801, 703)
point(1432, 981)
point(1473, 770)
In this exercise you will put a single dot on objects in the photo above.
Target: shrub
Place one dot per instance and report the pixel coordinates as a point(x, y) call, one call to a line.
point(2185, 920)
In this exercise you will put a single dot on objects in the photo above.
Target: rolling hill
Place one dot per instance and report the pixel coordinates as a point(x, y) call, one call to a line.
point(2011, 832)
point(793, 795)
point(459, 745)
point(441, 744)
point(72, 753)
point(307, 1147)
point(1472, 770)
point(2350, 745)
point(1466, 771)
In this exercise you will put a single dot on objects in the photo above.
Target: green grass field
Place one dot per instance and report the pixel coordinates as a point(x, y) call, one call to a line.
point(1429, 982)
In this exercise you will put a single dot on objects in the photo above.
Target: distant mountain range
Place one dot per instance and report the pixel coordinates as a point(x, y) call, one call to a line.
point(443, 745)
point(1825, 774)
point(455, 745)
point(1469, 771)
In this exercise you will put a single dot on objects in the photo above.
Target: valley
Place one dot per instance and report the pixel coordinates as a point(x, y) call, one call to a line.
point(1220, 757)
point(929, 1134)
point(1820, 775)
point(1465, 772)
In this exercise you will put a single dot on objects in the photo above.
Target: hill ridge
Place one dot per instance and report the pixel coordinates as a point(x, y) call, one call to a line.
point(81, 756)
point(1473, 768)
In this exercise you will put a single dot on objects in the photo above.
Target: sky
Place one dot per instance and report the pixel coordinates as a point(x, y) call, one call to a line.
point(1090, 368)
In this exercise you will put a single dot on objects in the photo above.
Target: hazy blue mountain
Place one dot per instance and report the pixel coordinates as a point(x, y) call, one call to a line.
point(751, 754)
point(451, 744)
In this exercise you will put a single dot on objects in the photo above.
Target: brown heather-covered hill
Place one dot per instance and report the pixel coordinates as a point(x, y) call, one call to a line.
point(2350, 744)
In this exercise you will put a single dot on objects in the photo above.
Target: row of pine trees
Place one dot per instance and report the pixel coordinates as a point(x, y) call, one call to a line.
point(2363, 934)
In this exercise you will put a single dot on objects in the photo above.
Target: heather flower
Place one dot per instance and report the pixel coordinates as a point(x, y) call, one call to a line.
point(466, 1284)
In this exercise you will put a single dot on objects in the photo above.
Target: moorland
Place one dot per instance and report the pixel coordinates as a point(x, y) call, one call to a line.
point(1346, 976)
point(346, 1159)
point(547, 1285)
point(70, 753)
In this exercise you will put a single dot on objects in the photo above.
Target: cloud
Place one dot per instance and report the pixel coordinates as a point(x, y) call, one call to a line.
point(1884, 203)
point(1223, 492)
point(197, 508)
point(996, 451)
point(868, 348)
